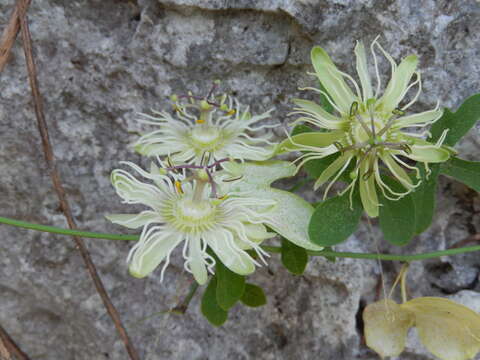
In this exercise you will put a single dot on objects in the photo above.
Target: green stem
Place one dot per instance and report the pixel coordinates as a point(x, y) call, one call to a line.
point(57, 230)
point(272, 249)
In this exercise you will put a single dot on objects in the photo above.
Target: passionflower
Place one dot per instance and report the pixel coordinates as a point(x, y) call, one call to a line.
point(219, 126)
point(448, 330)
point(367, 136)
point(191, 210)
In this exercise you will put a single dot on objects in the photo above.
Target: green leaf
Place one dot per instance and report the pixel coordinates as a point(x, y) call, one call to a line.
point(253, 296)
point(397, 217)
point(299, 129)
point(230, 286)
point(459, 122)
point(424, 198)
point(468, 172)
point(209, 307)
point(294, 258)
point(256, 180)
point(333, 221)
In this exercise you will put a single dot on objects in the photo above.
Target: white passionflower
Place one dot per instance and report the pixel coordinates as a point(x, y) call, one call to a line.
point(188, 210)
point(368, 132)
point(219, 126)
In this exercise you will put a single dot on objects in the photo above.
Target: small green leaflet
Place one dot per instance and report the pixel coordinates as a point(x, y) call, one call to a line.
point(209, 307)
point(333, 221)
point(253, 296)
point(468, 172)
point(230, 286)
point(459, 122)
point(424, 198)
point(293, 257)
point(397, 217)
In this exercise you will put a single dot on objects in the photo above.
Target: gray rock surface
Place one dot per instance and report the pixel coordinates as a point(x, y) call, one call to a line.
point(99, 62)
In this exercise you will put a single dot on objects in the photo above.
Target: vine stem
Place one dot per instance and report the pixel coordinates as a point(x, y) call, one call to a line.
point(272, 249)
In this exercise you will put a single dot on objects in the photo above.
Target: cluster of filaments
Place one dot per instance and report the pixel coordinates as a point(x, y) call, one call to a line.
point(215, 124)
point(370, 135)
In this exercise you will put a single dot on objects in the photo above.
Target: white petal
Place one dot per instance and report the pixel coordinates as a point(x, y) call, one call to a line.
point(146, 258)
point(398, 83)
point(134, 221)
point(134, 191)
point(237, 260)
point(423, 118)
point(332, 80)
point(196, 261)
point(362, 70)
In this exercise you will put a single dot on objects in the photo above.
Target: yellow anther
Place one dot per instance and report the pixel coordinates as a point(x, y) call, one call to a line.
point(178, 186)
point(218, 200)
point(199, 121)
point(177, 108)
point(231, 112)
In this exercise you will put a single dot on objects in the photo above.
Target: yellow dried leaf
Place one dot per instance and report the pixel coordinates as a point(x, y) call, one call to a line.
point(448, 330)
point(386, 326)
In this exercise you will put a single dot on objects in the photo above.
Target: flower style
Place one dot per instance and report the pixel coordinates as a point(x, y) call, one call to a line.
point(189, 210)
point(368, 133)
point(215, 125)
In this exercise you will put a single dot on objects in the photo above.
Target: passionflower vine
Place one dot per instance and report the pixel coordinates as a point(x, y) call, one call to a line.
point(190, 210)
point(367, 135)
point(217, 125)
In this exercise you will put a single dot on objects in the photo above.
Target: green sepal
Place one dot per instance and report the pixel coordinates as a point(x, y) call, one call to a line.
point(293, 257)
point(209, 306)
point(467, 172)
point(253, 296)
point(315, 139)
point(397, 217)
point(334, 220)
point(458, 123)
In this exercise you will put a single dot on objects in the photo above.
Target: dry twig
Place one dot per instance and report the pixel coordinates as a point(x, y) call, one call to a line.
point(11, 31)
point(8, 348)
point(59, 189)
